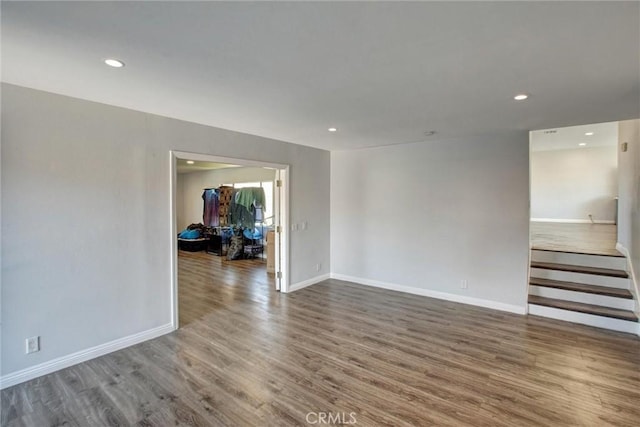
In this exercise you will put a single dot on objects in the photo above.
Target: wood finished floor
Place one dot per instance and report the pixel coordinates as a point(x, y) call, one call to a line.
point(597, 239)
point(263, 358)
point(201, 276)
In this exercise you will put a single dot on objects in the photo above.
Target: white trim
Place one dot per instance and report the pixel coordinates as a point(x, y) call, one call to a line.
point(308, 282)
point(529, 252)
point(282, 261)
point(574, 221)
point(81, 356)
point(277, 222)
point(173, 220)
point(634, 282)
point(511, 308)
point(230, 160)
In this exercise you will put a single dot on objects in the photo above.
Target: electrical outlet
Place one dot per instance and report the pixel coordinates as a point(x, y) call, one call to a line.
point(304, 225)
point(294, 227)
point(318, 267)
point(464, 284)
point(33, 344)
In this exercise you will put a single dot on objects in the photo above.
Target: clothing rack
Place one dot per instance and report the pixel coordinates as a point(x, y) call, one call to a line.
point(218, 241)
point(241, 209)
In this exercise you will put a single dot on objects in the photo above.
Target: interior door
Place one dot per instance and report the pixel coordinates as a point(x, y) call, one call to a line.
point(277, 201)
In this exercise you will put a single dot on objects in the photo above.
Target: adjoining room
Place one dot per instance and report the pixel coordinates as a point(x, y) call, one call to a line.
point(574, 180)
point(226, 214)
point(579, 270)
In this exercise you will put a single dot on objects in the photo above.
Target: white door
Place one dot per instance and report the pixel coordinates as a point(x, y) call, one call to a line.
point(277, 201)
point(281, 196)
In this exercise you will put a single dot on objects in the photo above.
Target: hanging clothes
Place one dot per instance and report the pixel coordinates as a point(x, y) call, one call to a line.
point(225, 196)
point(210, 216)
point(244, 204)
point(250, 197)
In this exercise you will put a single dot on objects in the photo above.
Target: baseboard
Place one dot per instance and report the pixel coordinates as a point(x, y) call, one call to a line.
point(573, 221)
point(434, 294)
point(81, 356)
point(632, 273)
point(308, 282)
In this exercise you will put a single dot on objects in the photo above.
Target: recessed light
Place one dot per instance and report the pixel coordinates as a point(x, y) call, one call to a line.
point(582, 144)
point(190, 162)
point(332, 129)
point(521, 97)
point(115, 63)
point(588, 134)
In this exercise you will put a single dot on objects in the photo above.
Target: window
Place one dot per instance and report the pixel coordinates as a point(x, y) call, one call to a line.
point(246, 184)
point(267, 186)
point(268, 201)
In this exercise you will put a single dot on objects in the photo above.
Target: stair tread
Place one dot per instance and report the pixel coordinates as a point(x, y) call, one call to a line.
point(584, 308)
point(581, 287)
point(580, 269)
point(576, 252)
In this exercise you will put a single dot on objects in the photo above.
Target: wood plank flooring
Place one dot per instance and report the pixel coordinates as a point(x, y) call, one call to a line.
point(206, 282)
point(268, 359)
point(599, 239)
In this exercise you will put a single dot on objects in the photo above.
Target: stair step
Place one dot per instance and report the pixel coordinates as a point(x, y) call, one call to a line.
point(589, 279)
point(573, 258)
point(584, 308)
point(585, 319)
point(581, 287)
point(615, 255)
point(580, 269)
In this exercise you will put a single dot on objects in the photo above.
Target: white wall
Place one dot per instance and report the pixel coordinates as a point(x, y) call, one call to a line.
point(192, 184)
point(571, 184)
point(422, 217)
point(629, 188)
point(86, 233)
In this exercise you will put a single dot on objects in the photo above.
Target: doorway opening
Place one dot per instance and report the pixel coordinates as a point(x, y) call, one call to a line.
point(574, 188)
point(229, 240)
point(577, 273)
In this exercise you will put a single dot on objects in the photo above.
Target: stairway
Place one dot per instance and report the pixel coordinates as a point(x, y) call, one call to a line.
point(582, 288)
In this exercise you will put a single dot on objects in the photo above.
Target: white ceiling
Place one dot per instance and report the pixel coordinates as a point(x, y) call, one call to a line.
point(604, 135)
point(381, 72)
point(198, 166)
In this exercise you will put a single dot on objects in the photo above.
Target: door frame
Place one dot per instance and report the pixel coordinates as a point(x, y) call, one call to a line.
point(282, 255)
